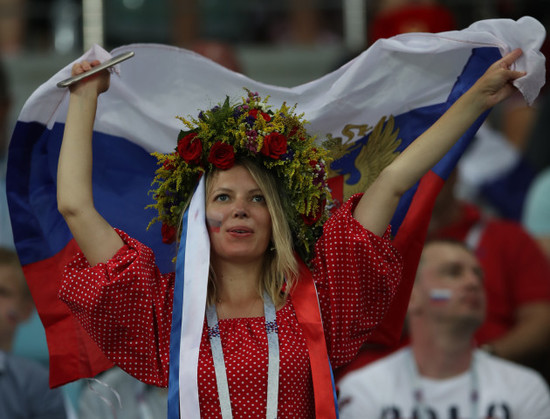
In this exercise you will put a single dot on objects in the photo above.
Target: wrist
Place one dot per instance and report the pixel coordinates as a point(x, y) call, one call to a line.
point(84, 93)
point(473, 102)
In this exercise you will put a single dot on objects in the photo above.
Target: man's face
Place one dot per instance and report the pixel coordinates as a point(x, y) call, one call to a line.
point(15, 306)
point(450, 285)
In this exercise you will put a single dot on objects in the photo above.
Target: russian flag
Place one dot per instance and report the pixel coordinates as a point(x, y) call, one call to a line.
point(412, 77)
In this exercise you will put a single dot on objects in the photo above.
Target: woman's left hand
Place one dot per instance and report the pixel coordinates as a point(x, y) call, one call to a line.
point(378, 204)
point(496, 83)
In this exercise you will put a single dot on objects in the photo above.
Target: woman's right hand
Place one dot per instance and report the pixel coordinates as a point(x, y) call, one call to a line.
point(95, 237)
point(95, 84)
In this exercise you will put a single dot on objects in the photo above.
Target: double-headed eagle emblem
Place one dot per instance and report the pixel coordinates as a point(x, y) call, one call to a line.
point(360, 157)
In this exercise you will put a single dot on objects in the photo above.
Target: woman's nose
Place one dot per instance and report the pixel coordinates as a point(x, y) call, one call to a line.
point(240, 213)
point(239, 210)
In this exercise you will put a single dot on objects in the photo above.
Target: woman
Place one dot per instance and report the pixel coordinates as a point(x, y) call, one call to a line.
point(257, 217)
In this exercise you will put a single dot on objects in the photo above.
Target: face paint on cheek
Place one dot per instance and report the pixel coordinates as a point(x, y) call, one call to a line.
point(440, 294)
point(213, 224)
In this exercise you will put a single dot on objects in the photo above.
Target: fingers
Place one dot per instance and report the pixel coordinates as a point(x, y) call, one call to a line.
point(95, 84)
point(83, 66)
point(511, 57)
point(506, 63)
point(512, 75)
point(503, 65)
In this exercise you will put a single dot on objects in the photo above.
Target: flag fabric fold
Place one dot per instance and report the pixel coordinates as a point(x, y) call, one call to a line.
point(412, 77)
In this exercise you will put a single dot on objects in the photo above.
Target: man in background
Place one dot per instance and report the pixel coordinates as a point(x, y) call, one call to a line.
point(441, 374)
point(24, 388)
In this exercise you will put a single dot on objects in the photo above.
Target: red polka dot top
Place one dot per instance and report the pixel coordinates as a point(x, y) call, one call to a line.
point(126, 307)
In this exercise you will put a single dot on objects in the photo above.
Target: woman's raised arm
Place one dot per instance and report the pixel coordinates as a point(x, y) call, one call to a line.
point(96, 238)
point(377, 206)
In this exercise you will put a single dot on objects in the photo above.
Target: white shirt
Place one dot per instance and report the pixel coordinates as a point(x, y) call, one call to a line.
point(385, 390)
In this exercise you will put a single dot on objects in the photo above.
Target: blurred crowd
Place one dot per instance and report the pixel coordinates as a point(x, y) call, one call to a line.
point(497, 202)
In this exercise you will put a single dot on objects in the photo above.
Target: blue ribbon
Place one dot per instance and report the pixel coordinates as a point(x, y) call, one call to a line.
point(334, 394)
point(175, 334)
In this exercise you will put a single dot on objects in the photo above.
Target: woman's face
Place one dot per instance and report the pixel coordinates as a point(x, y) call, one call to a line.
point(237, 216)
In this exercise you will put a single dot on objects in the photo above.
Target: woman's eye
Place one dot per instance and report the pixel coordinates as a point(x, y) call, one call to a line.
point(258, 198)
point(221, 197)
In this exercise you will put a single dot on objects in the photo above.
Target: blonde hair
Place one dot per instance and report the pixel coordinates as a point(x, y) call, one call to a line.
point(280, 266)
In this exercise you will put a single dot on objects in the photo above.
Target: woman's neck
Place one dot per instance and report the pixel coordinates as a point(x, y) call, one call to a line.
point(237, 289)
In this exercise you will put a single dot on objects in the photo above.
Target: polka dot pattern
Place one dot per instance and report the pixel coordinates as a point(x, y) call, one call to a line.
point(245, 352)
point(126, 306)
point(356, 274)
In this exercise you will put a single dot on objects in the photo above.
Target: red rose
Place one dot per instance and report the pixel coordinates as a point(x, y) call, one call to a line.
point(190, 148)
point(222, 155)
point(274, 145)
point(311, 219)
point(254, 114)
point(168, 233)
point(168, 164)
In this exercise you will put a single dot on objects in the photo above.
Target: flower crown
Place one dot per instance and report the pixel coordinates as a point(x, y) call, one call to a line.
point(275, 139)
